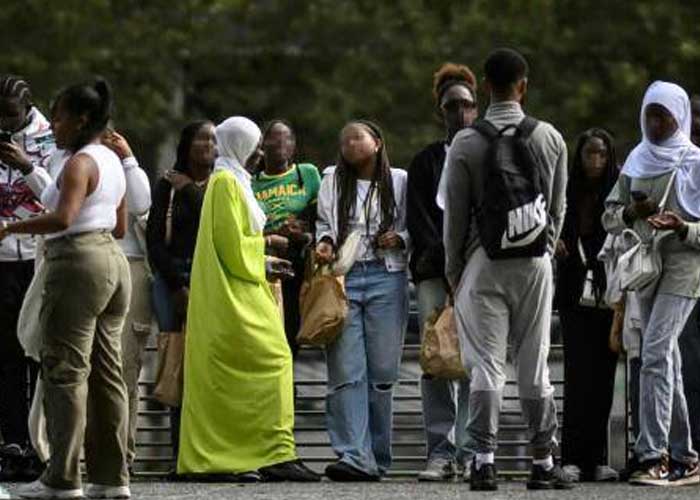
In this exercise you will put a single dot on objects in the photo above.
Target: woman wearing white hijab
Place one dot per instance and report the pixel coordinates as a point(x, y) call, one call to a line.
point(665, 305)
point(238, 408)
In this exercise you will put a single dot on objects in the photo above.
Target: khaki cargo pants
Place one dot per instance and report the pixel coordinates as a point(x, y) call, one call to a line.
point(86, 299)
point(134, 338)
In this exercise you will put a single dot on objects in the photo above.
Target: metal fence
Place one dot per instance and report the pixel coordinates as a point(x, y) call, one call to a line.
point(154, 452)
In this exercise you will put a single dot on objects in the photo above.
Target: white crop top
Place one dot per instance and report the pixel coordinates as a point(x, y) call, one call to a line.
point(99, 210)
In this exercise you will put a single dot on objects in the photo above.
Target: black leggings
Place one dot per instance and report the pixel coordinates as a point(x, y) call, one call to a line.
point(18, 373)
point(589, 384)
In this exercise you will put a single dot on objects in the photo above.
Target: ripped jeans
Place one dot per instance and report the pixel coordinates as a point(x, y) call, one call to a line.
point(363, 367)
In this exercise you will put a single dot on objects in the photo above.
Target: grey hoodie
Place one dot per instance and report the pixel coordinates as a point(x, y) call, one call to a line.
point(465, 170)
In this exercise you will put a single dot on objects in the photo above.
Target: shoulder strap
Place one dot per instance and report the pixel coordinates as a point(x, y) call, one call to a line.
point(527, 126)
point(486, 128)
point(671, 181)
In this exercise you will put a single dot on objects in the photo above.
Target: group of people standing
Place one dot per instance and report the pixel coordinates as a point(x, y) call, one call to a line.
point(222, 240)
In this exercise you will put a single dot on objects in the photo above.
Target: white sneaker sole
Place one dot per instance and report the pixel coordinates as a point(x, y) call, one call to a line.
point(649, 482)
point(55, 495)
point(686, 481)
point(116, 492)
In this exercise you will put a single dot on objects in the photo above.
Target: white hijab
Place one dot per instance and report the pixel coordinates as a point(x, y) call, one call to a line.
point(237, 138)
point(651, 160)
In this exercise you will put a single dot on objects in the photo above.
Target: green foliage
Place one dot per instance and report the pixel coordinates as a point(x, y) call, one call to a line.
point(321, 63)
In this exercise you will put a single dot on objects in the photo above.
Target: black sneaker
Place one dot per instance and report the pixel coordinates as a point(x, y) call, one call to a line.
point(11, 463)
point(32, 466)
point(682, 474)
point(346, 473)
point(294, 470)
point(552, 479)
point(484, 478)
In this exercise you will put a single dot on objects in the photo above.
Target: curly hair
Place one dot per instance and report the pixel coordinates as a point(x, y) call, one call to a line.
point(450, 74)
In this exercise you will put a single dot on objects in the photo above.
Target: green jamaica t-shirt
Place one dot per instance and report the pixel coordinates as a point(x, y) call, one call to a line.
point(282, 196)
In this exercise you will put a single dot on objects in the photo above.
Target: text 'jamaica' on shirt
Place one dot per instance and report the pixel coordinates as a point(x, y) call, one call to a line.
point(288, 194)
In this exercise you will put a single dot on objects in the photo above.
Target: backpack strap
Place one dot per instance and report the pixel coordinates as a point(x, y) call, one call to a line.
point(486, 129)
point(527, 126)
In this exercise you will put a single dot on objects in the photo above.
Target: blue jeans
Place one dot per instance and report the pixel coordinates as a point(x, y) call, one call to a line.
point(445, 402)
point(163, 305)
point(663, 411)
point(363, 367)
point(166, 315)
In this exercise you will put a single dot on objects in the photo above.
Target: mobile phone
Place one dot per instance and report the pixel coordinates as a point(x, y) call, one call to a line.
point(5, 137)
point(282, 268)
point(638, 195)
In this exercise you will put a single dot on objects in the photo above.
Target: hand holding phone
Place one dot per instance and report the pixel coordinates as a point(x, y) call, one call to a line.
point(277, 268)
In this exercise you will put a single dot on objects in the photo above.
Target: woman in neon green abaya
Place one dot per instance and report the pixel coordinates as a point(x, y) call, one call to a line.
point(238, 408)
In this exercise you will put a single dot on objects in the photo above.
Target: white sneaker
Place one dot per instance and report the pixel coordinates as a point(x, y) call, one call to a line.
point(4, 495)
point(604, 473)
point(573, 471)
point(103, 491)
point(37, 489)
point(438, 469)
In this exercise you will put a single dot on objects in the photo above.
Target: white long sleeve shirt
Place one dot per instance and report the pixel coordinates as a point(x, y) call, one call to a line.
point(138, 201)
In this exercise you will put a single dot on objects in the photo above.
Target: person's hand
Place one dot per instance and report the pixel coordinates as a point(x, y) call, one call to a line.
point(177, 180)
point(12, 155)
point(561, 252)
point(117, 143)
point(324, 253)
point(389, 240)
point(642, 209)
point(277, 242)
point(276, 268)
point(668, 221)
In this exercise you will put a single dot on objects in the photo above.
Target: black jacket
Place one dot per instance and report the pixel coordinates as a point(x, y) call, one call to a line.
point(571, 271)
point(424, 217)
point(171, 260)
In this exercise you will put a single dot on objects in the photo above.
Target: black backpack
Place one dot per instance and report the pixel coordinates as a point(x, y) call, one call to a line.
point(512, 219)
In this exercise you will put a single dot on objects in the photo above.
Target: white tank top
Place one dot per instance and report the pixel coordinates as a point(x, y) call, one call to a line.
point(99, 210)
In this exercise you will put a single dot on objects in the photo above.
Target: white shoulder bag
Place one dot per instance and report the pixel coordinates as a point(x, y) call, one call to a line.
point(641, 265)
point(350, 250)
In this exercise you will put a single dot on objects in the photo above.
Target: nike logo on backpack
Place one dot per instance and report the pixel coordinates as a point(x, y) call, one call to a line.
point(525, 224)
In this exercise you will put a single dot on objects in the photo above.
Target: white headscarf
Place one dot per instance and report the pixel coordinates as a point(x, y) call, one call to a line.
point(237, 138)
point(651, 160)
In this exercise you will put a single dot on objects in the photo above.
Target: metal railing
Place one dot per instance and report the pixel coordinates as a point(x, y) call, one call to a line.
point(154, 450)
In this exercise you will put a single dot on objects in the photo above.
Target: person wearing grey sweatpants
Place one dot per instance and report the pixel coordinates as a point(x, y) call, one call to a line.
point(497, 301)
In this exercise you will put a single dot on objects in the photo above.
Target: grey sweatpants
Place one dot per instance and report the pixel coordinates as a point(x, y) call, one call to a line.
point(497, 302)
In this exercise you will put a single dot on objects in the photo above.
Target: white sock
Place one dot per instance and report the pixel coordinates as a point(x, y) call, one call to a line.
point(484, 459)
point(546, 463)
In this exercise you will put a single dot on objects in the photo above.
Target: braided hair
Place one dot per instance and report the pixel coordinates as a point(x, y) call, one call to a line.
point(381, 182)
point(15, 87)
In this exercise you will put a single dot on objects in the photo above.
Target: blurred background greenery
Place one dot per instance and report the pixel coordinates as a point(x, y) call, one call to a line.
point(320, 63)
